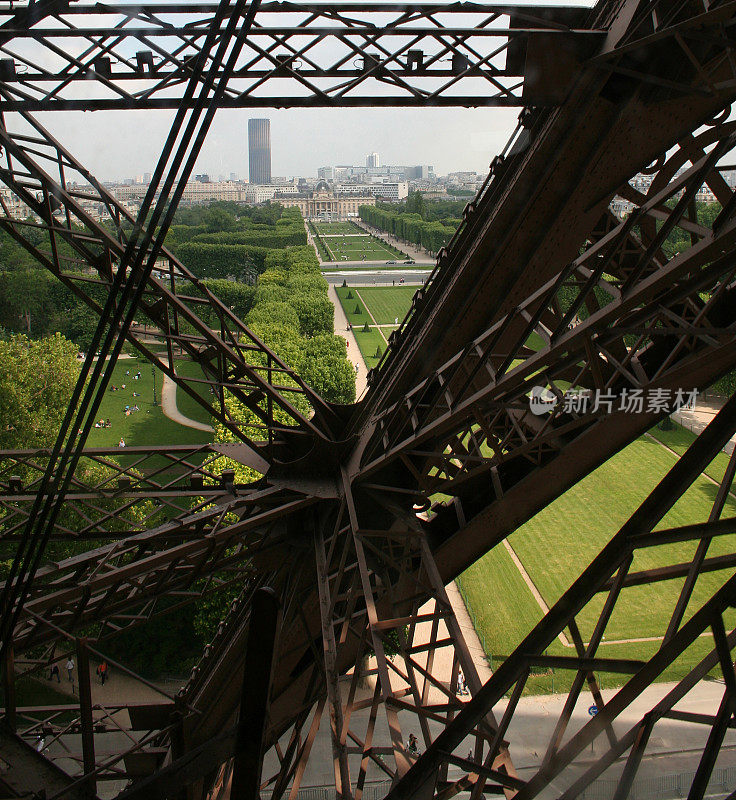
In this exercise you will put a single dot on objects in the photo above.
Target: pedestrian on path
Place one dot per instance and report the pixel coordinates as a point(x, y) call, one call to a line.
point(54, 672)
point(70, 667)
point(102, 671)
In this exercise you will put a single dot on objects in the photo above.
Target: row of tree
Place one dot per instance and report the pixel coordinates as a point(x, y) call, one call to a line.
point(292, 314)
point(410, 226)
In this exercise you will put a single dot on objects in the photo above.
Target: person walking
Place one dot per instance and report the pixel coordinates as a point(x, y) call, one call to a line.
point(70, 667)
point(102, 671)
point(54, 672)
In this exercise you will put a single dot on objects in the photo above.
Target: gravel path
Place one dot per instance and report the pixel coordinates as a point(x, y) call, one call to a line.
point(354, 354)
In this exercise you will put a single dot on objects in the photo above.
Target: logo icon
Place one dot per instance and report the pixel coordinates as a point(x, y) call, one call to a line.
point(541, 400)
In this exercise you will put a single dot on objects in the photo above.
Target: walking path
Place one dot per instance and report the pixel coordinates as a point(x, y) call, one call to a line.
point(119, 689)
point(532, 587)
point(470, 635)
point(354, 354)
point(698, 418)
point(168, 406)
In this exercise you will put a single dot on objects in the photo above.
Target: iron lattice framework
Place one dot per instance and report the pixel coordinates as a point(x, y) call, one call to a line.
point(108, 56)
point(365, 641)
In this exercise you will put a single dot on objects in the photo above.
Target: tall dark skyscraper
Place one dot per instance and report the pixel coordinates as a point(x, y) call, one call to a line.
point(259, 150)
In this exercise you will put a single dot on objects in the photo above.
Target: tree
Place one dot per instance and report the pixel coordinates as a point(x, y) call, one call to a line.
point(274, 314)
point(79, 326)
point(325, 367)
point(217, 219)
point(316, 313)
point(415, 203)
point(36, 381)
point(25, 297)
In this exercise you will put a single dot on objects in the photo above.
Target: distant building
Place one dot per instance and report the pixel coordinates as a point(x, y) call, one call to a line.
point(256, 194)
point(16, 207)
point(325, 204)
point(705, 195)
point(358, 174)
point(372, 160)
point(388, 190)
point(259, 151)
point(195, 192)
point(422, 172)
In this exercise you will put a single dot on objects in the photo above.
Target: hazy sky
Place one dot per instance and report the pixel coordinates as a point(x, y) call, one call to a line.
point(114, 145)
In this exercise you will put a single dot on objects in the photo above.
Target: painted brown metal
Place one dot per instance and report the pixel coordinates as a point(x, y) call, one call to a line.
point(299, 55)
point(337, 524)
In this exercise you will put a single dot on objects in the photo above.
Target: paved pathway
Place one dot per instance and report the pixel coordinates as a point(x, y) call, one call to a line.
point(119, 689)
point(469, 633)
point(359, 277)
point(354, 354)
point(168, 406)
point(697, 419)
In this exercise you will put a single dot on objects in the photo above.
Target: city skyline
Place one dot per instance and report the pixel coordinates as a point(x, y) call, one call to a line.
point(301, 141)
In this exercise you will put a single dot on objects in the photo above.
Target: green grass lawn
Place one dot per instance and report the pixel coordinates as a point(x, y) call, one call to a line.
point(333, 228)
point(420, 269)
point(355, 248)
point(386, 303)
point(557, 544)
point(369, 344)
point(355, 310)
point(148, 426)
point(186, 404)
point(679, 439)
point(355, 245)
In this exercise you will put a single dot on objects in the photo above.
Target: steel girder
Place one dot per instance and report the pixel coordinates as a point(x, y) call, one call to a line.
point(125, 56)
point(125, 494)
point(342, 539)
point(610, 574)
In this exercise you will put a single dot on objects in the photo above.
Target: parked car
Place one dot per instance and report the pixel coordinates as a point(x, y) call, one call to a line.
point(410, 261)
point(390, 262)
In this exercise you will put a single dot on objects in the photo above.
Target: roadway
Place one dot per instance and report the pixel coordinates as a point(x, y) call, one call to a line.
point(371, 275)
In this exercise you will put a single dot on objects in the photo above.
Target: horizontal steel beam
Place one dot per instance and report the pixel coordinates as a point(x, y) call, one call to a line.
point(122, 57)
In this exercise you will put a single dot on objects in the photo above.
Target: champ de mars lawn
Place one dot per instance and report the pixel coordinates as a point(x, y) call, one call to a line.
point(148, 425)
